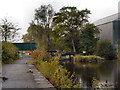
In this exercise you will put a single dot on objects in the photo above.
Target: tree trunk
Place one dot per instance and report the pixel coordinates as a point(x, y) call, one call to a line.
point(48, 36)
point(5, 38)
point(48, 41)
point(73, 44)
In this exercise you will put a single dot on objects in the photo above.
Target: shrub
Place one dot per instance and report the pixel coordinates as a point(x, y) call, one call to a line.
point(90, 58)
point(118, 55)
point(118, 48)
point(36, 54)
point(9, 52)
point(41, 55)
point(105, 49)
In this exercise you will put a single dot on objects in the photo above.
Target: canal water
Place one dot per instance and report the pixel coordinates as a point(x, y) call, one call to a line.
point(105, 74)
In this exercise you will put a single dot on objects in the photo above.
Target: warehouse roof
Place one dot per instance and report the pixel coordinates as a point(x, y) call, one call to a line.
point(106, 19)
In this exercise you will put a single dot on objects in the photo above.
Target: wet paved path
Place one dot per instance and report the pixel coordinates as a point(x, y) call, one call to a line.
point(19, 77)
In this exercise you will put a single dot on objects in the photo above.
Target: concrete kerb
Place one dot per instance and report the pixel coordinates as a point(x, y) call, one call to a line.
point(41, 81)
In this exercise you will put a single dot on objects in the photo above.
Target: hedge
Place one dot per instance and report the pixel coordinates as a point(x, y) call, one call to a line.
point(9, 53)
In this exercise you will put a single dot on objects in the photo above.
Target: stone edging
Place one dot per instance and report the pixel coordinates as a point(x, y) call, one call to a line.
point(41, 81)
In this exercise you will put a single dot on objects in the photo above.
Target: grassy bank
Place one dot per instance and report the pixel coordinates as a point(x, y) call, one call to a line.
point(56, 74)
point(90, 58)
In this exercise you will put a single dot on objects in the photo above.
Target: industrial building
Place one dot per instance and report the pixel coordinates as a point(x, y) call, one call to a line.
point(110, 28)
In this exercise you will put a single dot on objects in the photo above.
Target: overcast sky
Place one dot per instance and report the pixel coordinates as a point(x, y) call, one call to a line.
point(21, 12)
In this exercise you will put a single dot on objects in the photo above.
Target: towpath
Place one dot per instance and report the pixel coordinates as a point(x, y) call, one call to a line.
point(19, 76)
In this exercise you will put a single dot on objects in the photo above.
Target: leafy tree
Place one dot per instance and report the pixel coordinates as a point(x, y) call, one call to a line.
point(39, 34)
point(28, 38)
point(8, 30)
point(87, 40)
point(43, 15)
point(118, 45)
point(40, 28)
point(118, 48)
point(67, 25)
point(105, 49)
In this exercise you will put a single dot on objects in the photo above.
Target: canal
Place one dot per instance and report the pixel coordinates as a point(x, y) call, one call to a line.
point(105, 74)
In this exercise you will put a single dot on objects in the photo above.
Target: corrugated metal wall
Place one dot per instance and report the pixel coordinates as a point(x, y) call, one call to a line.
point(25, 46)
point(107, 31)
point(110, 31)
point(116, 32)
point(119, 29)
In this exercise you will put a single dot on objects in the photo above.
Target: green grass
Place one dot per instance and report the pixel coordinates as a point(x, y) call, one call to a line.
point(90, 58)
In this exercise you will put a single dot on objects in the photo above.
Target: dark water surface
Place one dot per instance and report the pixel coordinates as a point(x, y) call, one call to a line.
point(105, 73)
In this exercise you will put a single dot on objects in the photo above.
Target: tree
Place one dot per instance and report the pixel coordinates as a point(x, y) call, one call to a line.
point(67, 24)
point(87, 40)
point(39, 35)
point(28, 38)
point(43, 15)
point(118, 46)
point(8, 30)
point(41, 27)
point(104, 49)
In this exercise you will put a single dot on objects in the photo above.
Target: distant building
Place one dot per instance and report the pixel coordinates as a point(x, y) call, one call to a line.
point(110, 28)
point(25, 46)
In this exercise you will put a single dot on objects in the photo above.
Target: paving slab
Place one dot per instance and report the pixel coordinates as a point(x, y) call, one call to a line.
point(41, 81)
point(19, 77)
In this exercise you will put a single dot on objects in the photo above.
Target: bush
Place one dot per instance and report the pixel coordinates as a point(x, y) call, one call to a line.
point(105, 49)
point(9, 52)
point(36, 54)
point(118, 55)
point(118, 48)
point(41, 55)
point(90, 58)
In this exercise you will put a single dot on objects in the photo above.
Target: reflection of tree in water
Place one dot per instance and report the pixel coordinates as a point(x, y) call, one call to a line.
point(119, 74)
point(106, 68)
point(109, 72)
point(119, 79)
point(86, 72)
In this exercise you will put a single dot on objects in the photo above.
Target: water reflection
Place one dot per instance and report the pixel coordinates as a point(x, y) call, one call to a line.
point(106, 72)
point(119, 74)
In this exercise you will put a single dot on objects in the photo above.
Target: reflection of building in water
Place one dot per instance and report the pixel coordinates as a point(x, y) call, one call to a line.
point(81, 81)
point(109, 78)
point(102, 72)
point(110, 28)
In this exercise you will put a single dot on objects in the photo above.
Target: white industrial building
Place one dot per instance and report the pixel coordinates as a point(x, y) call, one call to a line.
point(110, 28)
